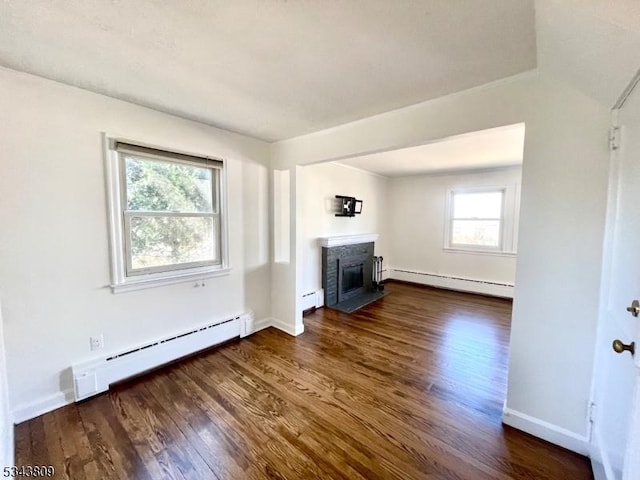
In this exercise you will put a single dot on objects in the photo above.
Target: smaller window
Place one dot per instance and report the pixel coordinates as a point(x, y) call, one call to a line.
point(476, 220)
point(167, 218)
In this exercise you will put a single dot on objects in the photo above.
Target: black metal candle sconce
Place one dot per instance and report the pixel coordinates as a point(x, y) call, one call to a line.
point(348, 206)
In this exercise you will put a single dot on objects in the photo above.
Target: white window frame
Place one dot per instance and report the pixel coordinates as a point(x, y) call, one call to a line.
point(508, 221)
point(121, 279)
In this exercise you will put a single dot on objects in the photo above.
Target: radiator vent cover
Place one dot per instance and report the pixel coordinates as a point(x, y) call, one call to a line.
point(95, 376)
point(170, 339)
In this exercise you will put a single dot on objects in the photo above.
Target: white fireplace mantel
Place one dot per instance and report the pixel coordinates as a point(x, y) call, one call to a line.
point(339, 240)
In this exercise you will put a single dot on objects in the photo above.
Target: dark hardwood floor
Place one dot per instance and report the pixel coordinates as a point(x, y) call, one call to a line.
point(410, 387)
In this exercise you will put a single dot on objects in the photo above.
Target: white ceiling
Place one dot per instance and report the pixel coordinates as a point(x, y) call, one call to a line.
point(493, 148)
point(591, 44)
point(272, 69)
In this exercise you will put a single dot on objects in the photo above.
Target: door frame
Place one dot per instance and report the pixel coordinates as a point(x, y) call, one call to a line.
point(600, 461)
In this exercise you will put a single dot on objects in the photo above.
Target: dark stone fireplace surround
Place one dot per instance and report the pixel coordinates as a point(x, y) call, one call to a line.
point(335, 259)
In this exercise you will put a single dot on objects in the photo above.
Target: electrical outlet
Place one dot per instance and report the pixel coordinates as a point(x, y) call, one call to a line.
point(97, 342)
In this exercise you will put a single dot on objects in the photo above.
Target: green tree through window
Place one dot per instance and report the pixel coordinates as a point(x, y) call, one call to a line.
point(172, 213)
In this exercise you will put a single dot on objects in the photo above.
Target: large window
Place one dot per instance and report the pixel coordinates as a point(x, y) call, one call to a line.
point(166, 213)
point(480, 220)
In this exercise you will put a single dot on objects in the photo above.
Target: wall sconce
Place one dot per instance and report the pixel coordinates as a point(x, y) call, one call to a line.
point(348, 206)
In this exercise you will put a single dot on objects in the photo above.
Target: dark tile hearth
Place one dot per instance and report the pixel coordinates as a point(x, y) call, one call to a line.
point(353, 304)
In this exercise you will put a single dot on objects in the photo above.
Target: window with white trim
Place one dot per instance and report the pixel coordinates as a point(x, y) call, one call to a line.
point(481, 220)
point(167, 216)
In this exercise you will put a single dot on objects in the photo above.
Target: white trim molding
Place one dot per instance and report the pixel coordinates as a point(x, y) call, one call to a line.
point(340, 240)
point(43, 405)
point(262, 324)
point(479, 252)
point(293, 330)
point(287, 328)
point(546, 431)
point(132, 285)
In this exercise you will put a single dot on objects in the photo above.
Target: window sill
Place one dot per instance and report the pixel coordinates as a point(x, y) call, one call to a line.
point(479, 252)
point(140, 284)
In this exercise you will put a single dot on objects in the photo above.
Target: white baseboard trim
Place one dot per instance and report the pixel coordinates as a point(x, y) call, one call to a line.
point(262, 324)
point(293, 330)
point(483, 287)
point(546, 431)
point(45, 404)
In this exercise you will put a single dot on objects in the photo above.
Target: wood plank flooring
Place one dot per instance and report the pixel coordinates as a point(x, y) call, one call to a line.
point(410, 387)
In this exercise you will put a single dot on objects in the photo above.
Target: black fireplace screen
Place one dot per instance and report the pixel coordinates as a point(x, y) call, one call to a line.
point(352, 277)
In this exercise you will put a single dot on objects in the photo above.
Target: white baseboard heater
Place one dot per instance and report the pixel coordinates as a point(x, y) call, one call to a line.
point(313, 299)
point(95, 376)
point(484, 287)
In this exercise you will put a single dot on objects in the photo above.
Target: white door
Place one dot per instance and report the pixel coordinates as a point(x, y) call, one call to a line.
point(616, 427)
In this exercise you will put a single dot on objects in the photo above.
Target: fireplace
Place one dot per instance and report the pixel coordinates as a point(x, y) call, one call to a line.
point(347, 271)
point(351, 277)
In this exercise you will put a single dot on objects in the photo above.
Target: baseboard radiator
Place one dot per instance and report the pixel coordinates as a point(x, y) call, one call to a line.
point(95, 376)
point(314, 299)
point(485, 287)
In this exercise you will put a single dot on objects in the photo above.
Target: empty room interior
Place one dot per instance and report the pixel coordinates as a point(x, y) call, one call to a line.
point(319, 239)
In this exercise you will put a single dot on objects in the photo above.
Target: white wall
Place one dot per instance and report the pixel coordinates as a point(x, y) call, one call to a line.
point(53, 241)
point(6, 423)
point(563, 204)
point(589, 44)
point(417, 220)
point(319, 184)
point(562, 217)
point(286, 311)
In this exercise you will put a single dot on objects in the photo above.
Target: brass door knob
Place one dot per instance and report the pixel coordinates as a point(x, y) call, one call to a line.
point(620, 347)
point(634, 309)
